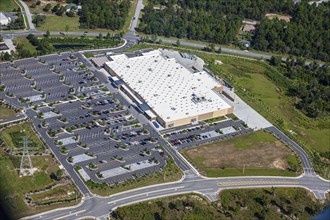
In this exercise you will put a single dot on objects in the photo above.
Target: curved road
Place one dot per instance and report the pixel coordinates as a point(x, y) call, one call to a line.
point(101, 206)
point(27, 13)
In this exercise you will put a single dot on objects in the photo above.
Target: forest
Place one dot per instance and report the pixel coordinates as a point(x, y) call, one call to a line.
point(311, 86)
point(109, 14)
point(218, 21)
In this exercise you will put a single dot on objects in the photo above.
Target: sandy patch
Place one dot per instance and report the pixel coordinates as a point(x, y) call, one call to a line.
point(286, 18)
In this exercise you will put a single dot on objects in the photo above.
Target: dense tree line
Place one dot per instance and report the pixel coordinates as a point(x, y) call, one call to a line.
point(307, 34)
point(198, 23)
point(218, 21)
point(311, 85)
point(17, 23)
point(110, 14)
point(43, 46)
point(272, 203)
point(38, 20)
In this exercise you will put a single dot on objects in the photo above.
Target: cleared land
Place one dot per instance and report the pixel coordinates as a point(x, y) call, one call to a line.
point(8, 5)
point(279, 203)
point(13, 137)
point(6, 112)
point(258, 153)
point(13, 187)
point(171, 172)
point(286, 18)
point(59, 193)
point(251, 76)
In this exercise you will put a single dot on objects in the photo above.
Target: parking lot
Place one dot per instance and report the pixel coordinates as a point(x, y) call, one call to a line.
point(101, 131)
point(54, 78)
point(83, 124)
point(86, 126)
point(204, 133)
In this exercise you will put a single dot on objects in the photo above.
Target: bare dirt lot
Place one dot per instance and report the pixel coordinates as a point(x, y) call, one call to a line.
point(254, 151)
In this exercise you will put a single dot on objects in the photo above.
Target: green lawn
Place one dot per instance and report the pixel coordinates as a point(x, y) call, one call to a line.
point(13, 137)
point(6, 112)
point(25, 44)
point(170, 173)
point(7, 5)
point(58, 23)
point(217, 119)
point(265, 203)
point(253, 154)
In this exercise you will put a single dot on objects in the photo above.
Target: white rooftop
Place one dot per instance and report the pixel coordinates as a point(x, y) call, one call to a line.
point(167, 86)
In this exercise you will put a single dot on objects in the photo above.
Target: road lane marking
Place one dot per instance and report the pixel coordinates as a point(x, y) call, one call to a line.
point(241, 183)
point(146, 193)
point(75, 213)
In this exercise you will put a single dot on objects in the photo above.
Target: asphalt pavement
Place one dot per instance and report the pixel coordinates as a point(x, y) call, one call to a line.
point(101, 206)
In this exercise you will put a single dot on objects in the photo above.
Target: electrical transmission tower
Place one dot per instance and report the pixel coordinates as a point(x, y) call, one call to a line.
point(26, 167)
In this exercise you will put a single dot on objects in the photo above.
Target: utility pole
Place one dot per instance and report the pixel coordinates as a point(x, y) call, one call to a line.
point(26, 163)
point(243, 168)
point(26, 160)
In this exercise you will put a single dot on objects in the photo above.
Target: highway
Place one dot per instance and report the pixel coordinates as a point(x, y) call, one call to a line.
point(96, 206)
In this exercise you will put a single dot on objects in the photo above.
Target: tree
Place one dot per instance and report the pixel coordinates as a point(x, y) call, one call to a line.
point(178, 43)
point(6, 56)
point(104, 14)
point(47, 33)
point(47, 8)
point(67, 28)
point(275, 60)
point(154, 38)
point(39, 20)
point(59, 174)
point(212, 47)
